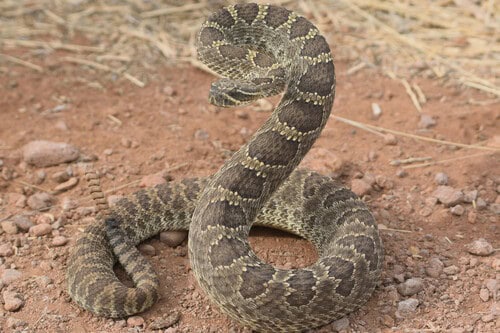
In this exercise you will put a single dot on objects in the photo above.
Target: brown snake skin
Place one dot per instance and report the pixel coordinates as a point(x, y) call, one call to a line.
point(261, 50)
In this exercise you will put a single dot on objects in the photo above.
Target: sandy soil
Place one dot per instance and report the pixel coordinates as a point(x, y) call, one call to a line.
point(169, 128)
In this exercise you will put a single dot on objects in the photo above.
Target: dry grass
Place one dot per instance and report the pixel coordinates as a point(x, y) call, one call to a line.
point(451, 40)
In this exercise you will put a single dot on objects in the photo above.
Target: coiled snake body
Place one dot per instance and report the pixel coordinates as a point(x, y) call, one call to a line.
point(261, 50)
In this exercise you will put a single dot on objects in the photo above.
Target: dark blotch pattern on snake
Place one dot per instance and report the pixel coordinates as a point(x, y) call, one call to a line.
point(261, 51)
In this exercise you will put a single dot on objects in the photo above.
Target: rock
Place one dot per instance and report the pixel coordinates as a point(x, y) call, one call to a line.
point(42, 153)
point(323, 161)
point(39, 177)
point(14, 323)
point(59, 241)
point(341, 324)
point(451, 270)
point(457, 210)
point(163, 323)
point(441, 178)
point(135, 321)
point(6, 250)
point(488, 317)
point(493, 286)
point(426, 121)
point(40, 201)
point(401, 173)
point(61, 176)
point(67, 185)
point(113, 199)
point(448, 196)
point(481, 204)
point(147, 249)
point(376, 111)
point(201, 135)
point(484, 294)
point(495, 208)
point(479, 247)
point(22, 222)
point(41, 229)
point(152, 180)
point(470, 196)
point(471, 217)
point(9, 227)
point(434, 268)
point(125, 142)
point(169, 91)
point(10, 275)
point(407, 307)
point(387, 320)
point(68, 204)
point(173, 238)
point(12, 301)
point(44, 280)
point(360, 187)
point(390, 139)
point(411, 287)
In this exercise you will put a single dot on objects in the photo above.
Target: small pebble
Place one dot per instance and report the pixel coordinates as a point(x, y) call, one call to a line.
point(61, 176)
point(59, 241)
point(484, 294)
point(127, 143)
point(173, 238)
point(434, 268)
point(12, 301)
point(451, 270)
point(390, 139)
point(448, 196)
point(411, 287)
point(152, 180)
point(481, 204)
point(407, 307)
point(401, 173)
point(387, 320)
point(135, 321)
point(67, 185)
point(147, 249)
point(376, 111)
point(41, 229)
point(23, 222)
point(40, 201)
point(46, 153)
point(44, 280)
point(163, 323)
point(10, 275)
point(360, 187)
point(13, 323)
point(341, 324)
point(426, 121)
point(457, 210)
point(495, 208)
point(470, 196)
point(479, 247)
point(201, 135)
point(6, 250)
point(9, 227)
point(441, 178)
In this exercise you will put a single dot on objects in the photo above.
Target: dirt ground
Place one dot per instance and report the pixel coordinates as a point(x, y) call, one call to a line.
point(168, 128)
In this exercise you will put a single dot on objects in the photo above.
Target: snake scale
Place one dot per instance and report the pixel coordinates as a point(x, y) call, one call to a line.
point(261, 50)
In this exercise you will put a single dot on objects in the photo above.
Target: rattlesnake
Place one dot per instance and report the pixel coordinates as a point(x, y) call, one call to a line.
point(261, 50)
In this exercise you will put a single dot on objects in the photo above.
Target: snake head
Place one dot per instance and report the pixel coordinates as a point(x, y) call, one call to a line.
point(229, 93)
